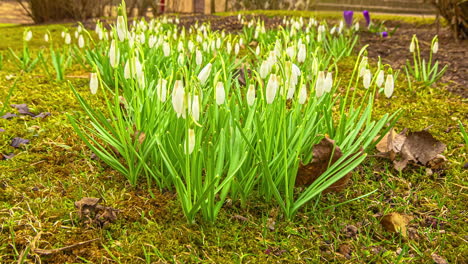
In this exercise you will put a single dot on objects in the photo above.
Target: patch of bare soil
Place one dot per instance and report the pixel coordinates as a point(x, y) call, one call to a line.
point(395, 51)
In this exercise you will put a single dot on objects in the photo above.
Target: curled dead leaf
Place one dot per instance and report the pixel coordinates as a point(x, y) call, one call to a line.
point(325, 153)
point(396, 223)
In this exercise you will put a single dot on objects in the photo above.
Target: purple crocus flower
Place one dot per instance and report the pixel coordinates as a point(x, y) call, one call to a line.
point(348, 17)
point(384, 34)
point(367, 17)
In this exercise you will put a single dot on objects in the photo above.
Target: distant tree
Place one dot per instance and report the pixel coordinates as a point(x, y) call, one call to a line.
point(456, 14)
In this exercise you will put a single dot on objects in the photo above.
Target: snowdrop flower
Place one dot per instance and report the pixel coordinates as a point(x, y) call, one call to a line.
point(63, 34)
point(191, 46)
point(291, 52)
point(302, 94)
point(389, 85)
point(328, 84)
point(411, 47)
point(195, 108)
point(301, 53)
point(113, 54)
point(356, 26)
point(198, 57)
point(264, 69)
point(178, 97)
point(241, 41)
point(366, 80)
point(228, 47)
point(151, 41)
point(363, 66)
point(380, 78)
point(257, 50)
point(81, 42)
point(67, 38)
point(251, 95)
point(204, 73)
point(435, 47)
point(161, 89)
point(272, 88)
point(181, 59)
point(191, 142)
point(220, 93)
point(79, 29)
point(320, 84)
point(332, 30)
point(93, 83)
point(166, 49)
point(236, 49)
point(218, 43)
point(76, 34)
point(121, 28)
point(46, 37)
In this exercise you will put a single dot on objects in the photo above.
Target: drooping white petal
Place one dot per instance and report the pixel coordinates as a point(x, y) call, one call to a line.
point(435, 47)
point(195, 108)
point(93, 83)
point(366, 79)
point(320, 84)
point(161, 89)
point(301, 54)
point(166, 49)
point(121, 28)
point(198, 57)
point(380, 78)
point(28, 36)
point(113, 54)
point(204, 73)
point(251, 95)
point(191, 142)
point(302, 94)
point(81, 42)
point(328, 84)
point(220, 93)
point(389, 85)
point(272, 88)
point(178, 97)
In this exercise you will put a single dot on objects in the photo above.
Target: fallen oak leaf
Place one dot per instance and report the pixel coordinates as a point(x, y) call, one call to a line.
point(8, 116)
point(325, 154)
point(17, 142)
point(22, 109)
point(42, 115)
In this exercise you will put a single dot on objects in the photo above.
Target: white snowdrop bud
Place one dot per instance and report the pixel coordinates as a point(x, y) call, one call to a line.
point(178, 97)
point(366, 79)
point(389, 85)
point(67, 38)
point(195, 108)
point(435, 47)
point(236, 49)
point(191, 142)
point(166, 49)
point(380, 78)
point(81, 42)
point(302, 94)
point(121, 28)
point(204, 74)
point(46, 37)
point(220, 93)
point(198, 57)
point(113, 54)
point(328, 82)
point(301, 54)
point(320, 83)
point(161, 89)
point(272, 88)
point(251, 95)
point(93, 83)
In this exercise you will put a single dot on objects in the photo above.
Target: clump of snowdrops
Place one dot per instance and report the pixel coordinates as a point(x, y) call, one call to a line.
point(213, 115)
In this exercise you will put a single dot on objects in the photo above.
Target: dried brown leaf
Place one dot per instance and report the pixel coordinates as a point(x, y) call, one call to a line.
point(395, 222)
point(438, 259)
point(325, 153)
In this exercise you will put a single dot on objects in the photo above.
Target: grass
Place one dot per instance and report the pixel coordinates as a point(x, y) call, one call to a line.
point(39, 186)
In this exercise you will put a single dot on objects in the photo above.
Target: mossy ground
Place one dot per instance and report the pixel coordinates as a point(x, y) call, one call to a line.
point(39, 186)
